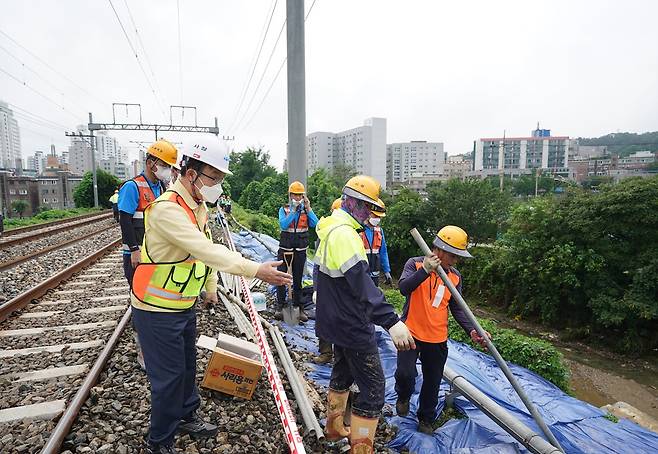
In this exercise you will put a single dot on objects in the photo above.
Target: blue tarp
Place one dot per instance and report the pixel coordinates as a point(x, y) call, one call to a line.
point(579, 426)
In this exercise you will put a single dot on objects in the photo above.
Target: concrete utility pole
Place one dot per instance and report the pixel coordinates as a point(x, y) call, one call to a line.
point(93, 162)
point(296, 91)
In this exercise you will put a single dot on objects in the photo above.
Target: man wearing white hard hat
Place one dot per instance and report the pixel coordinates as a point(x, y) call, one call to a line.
point(179, 260)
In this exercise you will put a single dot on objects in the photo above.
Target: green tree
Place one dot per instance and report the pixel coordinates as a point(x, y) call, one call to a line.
point(322, 191)
point(472, 204)
point(247, 166)
point(19, 206)
point(525, 185)
point(341, 173)
point(83, 196)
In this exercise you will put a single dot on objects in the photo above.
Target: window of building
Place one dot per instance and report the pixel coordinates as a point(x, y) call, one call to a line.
point(22, 191)
point(12, 191)
point(45, 200)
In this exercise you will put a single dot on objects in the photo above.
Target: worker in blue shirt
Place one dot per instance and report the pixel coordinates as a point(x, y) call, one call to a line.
point(374, 243)
point(295, 218)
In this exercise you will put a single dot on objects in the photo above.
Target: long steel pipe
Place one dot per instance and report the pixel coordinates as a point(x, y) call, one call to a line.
point(492, 348)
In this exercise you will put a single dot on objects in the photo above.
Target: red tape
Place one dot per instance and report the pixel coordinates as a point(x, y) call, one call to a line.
point(295, 442)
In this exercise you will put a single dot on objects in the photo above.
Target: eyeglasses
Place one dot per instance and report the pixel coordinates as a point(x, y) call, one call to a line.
point(218, 180)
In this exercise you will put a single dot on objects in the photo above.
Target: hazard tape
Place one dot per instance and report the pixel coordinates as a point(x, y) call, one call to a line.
point(295, 442)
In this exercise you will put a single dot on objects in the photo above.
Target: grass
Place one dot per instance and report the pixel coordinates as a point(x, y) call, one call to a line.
point(46, 216)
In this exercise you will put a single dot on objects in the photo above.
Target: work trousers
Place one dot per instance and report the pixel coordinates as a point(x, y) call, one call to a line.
point(298, 264)
point(364, 368)
point(115, 211)
point(168, 342)
point(432, 359)
point(128, 269)
point(325, 346)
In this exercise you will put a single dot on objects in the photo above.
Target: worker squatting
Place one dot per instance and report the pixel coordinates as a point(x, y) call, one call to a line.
point(170, 258)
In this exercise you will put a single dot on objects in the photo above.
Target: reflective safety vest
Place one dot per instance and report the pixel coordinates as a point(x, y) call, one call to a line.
point(372, 250)
point(427, 317)
point(296, 235)
point(170, 285)
point(146, 196)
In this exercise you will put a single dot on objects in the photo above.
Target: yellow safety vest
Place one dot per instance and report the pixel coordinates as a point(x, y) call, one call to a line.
point(170, 285)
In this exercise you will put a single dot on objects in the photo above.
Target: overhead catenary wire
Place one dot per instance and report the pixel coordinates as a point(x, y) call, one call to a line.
point(308, 13)
point(267, 24)
point(44, 96)
point(180, 53)
point(18, 110)
point(139, 61)
point(47, 65)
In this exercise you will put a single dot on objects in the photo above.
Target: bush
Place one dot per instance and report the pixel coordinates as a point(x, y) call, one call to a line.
point(536, 355)
point(395, 298)
point(256, 222)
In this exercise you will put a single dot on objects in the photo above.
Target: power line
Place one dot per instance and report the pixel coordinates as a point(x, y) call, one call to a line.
point(39, 93)
point(36, 73)
point(27, 112)
point(180, 53)
point(44, 124)
point(137, 58)
point(43, 62)
point(141, 44)
point(308, 13)
point(253, 70)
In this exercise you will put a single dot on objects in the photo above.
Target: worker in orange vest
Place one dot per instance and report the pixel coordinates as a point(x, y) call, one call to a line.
point(425, 313)
point(375, 246)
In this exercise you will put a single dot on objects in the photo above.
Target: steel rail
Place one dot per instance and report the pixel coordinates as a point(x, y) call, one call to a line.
point(29, 228)
point(64, 424)
point(48, 232)
point(13, 262)
point(22, 300)
point(490, 345)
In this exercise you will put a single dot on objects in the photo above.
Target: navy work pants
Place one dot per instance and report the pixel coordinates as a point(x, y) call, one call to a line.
point(168, 342)
point(128, 269)
point(432, 359)
point(298, 264)
point(364, 368)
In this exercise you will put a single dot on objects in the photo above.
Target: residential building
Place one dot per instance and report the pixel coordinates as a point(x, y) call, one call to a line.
point(637, 160)
point(37, 162)
point(14, 188)
point(107, 147)
point(80, 152)
point(362, 148)
point(56, 188)
point(458, 166)
point(415, 159)
point(111, 166)
point(10, 138)
point(521, 155)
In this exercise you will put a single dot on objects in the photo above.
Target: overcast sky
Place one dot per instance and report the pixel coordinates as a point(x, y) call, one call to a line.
point(436, 70)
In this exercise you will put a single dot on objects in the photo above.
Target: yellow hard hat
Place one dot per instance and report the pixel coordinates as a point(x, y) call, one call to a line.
point(363, 187)
point(296, 187)
point(380, 212)
point(337, 203)
point(452, 239)
point(164, 150)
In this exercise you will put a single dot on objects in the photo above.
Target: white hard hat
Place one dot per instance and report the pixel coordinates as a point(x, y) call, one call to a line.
point(210, 150)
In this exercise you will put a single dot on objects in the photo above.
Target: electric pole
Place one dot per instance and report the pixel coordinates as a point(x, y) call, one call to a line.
point(93, 163)
point(296, 91)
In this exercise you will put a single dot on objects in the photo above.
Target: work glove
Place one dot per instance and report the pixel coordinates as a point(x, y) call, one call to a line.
point(388, 278)
point(475, 337)
point(315, 296)
point(431, 263)
point(402, 337)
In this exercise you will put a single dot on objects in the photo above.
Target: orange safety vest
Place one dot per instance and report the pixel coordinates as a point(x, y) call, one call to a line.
point(301, 225)
point(427, 319)
point(170, 285)
point(295, 236)
point(145, 196)
point(376, 240)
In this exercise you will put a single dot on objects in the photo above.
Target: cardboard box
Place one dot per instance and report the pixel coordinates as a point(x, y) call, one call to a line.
point(234, 367)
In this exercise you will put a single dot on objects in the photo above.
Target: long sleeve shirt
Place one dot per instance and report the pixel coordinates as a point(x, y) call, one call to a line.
point(293, 217)
point(383, 250)
point(411, 278)
point(171, 237)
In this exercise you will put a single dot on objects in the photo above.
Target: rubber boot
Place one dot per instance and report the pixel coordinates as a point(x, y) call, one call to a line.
point(362, 434)
point(334, 429)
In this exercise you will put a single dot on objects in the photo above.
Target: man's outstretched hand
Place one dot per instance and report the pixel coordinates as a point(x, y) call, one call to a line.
point(269, 273)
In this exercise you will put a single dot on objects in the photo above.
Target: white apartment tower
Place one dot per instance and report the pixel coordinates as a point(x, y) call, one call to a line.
point(362, 148)
point(80, 152)
point(411, 160)
point(10, 138)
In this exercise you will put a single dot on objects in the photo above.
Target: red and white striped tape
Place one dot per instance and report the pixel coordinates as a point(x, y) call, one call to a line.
point(295, 442)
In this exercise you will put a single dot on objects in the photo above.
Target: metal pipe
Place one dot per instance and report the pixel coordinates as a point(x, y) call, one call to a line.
point(305, 407)
point(241, 305)
point(68, 418)
point(490, 346)
point(522, 433)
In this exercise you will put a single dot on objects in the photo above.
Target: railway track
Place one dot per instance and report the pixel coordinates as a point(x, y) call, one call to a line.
point(35, 232)
point(48, 347)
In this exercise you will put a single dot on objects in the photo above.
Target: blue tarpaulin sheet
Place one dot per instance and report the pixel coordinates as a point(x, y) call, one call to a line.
point(578, 426)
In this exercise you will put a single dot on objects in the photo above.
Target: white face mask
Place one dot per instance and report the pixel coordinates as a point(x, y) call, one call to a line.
point(163, 174)
point(374, 221)
point(211, 193)
point(295, 203)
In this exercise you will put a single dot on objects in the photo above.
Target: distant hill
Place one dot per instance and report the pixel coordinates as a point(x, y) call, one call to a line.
point(625, 143)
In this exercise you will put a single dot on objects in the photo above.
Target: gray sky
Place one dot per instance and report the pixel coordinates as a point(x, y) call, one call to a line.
point(437, 70)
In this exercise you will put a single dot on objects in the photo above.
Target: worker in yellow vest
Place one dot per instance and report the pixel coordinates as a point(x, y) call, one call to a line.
point(178, 261)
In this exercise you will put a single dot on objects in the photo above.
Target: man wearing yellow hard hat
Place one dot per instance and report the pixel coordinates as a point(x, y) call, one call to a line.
point(426, 315)
point(295, 218)
point(349, 305)
point(374, 243)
